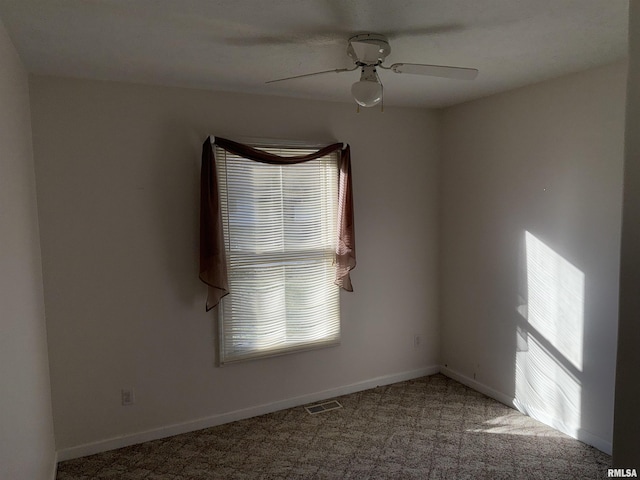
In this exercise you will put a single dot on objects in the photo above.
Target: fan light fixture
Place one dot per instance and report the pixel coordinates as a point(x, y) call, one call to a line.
point(368, 51)
point(368, 91)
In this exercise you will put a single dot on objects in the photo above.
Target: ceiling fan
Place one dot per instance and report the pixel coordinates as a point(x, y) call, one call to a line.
point(368, 51)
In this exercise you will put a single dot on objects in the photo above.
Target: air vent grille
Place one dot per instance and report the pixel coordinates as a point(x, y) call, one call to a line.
point(323, 407)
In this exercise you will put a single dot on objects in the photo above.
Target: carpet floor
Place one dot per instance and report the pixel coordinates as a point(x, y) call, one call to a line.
point(429, 428)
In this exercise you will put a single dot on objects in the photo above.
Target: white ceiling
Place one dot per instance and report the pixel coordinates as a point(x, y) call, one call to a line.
point(237, 45)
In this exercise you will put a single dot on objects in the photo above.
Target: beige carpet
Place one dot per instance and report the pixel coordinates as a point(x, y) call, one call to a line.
point(429, 428)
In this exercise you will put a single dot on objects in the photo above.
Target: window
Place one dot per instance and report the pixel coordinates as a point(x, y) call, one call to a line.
point(279, 224)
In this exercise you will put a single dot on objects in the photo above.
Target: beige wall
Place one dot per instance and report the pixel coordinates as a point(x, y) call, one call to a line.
point(545, 159)
point(27, 450)
point(626, 438)
point(118, 170)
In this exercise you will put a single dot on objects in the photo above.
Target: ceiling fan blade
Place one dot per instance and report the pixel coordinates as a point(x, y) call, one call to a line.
point(320, 37)
point(426, 31)
point(443, 71)
point(337, 70)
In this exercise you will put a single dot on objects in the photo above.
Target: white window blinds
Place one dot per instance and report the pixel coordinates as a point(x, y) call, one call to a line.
point(279, 226)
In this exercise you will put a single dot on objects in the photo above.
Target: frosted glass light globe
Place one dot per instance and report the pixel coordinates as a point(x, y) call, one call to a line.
point(367, 93)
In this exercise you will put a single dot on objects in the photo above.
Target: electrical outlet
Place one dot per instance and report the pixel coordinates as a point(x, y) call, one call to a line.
point(417, 341)
point(128, 397)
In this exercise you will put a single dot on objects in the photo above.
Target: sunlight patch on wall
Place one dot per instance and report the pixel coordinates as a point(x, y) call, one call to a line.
point(550, 340)
point(555, 299)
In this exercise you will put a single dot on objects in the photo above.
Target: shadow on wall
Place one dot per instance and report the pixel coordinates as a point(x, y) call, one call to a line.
point(550, 331)
point(174, 211)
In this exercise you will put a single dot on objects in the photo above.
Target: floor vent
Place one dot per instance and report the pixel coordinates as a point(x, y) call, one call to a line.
point(323, 407)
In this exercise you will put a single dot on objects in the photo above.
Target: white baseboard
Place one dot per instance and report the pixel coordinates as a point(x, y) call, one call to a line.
point(479, 387)
point(595, 441)
point(579, 434)
point(214, 420)
point(55, 466)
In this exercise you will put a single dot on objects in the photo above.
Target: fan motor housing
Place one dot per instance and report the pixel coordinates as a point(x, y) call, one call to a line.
point(368, 48)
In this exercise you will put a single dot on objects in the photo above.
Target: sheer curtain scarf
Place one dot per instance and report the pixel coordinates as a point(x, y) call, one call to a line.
point(213, 262)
